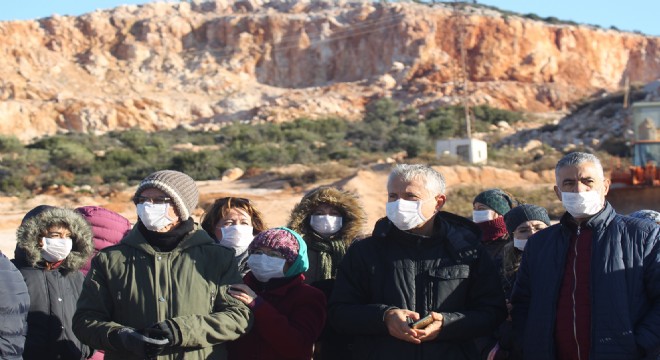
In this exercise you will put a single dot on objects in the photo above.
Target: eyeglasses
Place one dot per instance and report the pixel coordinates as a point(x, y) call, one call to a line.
point(154, 200)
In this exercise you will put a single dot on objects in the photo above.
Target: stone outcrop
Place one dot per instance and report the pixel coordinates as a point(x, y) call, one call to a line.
point(201, 64)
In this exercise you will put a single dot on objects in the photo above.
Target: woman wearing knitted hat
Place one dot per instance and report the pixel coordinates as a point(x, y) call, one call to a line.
point(233, 222)
point(521, 223)
point(289, 314)
point(162, 291)
point(488, 212)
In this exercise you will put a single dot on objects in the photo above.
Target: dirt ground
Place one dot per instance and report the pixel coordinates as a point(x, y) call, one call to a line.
point(274, 200)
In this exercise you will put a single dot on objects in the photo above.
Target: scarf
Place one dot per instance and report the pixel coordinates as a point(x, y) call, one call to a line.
point(493, 229)
point(331, 251)
point(167, 241)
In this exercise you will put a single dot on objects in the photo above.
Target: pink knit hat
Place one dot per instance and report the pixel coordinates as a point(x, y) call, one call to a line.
point(280, 240)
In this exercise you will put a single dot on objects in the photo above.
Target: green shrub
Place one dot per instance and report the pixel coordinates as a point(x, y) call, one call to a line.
point(10, 144)
point(72, 157)
point(444, 122)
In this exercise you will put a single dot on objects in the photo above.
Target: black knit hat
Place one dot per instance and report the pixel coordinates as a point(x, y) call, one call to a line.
point(522, 213)
point(497, 200)
point(177, 185)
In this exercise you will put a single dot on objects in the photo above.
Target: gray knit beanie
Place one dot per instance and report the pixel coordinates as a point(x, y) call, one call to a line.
point(177, 185)
point(522, 213)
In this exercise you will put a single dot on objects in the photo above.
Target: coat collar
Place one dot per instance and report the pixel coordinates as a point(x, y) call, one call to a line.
point(196, 237)
point(597, 222)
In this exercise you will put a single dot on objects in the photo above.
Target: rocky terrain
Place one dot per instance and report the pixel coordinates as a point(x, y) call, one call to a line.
point(199, 64)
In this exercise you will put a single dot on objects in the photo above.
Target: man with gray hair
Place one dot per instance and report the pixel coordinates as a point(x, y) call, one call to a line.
point(589, 286)
point(419, 263)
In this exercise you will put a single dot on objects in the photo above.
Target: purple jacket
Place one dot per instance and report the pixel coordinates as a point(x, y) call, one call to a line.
point(108, 228)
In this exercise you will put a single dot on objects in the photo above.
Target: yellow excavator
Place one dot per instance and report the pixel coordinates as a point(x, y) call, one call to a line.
point(637, 186)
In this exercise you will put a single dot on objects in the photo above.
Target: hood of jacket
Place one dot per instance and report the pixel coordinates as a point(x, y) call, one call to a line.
point(28, 234)
point(354, 216)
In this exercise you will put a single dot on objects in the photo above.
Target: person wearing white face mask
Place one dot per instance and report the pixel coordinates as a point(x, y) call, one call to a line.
point(162, 291)
point(488, 212)
point(52, 245)
point(589, 286)
point(418, 262)
point(329, 220)
point(289, 314)
point(233, 222)
point(522, 222)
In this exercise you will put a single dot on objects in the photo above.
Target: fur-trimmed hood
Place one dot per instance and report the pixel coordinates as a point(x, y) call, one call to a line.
point(29, 233)
point(348, 203)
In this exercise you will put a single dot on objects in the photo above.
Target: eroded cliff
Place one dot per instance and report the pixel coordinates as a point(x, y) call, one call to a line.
point(164, 65)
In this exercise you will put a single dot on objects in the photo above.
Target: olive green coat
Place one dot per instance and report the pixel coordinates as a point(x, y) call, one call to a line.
point(130, 284)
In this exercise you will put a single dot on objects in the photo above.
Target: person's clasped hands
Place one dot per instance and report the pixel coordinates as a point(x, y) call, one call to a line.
point(396, 321)
point(148, 342)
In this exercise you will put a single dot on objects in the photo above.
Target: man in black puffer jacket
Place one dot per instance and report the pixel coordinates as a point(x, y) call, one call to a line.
point(14, 306)
point(589, 287)
point(419, 261)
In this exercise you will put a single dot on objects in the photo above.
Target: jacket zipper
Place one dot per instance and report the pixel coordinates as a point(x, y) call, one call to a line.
point(574, 290)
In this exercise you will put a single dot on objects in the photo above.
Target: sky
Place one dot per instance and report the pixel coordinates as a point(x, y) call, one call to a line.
point(630, 15)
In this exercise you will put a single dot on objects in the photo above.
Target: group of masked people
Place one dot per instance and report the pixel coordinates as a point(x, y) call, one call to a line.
point(424, 284)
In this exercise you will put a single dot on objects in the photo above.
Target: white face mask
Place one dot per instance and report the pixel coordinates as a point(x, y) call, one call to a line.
point(266, 267)
point(237, 237)
point(325, 224)
point(582, 204)
point(479, 216)
point(405, 214)
point(519, 243)
point(56, 249)
point(154, 216)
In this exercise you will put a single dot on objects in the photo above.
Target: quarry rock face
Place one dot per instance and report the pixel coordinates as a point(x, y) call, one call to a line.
point(202, 64)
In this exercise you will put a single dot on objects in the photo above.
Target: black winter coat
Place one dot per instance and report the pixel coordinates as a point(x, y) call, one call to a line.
point(14, 306)
point(448, 273)
point(53, 293)
point(53, 297)
point(625, 287)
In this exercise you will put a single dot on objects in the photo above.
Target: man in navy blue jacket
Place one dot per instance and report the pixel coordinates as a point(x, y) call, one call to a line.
point(589, 287)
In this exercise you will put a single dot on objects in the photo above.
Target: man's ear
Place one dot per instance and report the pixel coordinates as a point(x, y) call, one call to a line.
point(440, 201)
point(606, 186)
point(557, 192)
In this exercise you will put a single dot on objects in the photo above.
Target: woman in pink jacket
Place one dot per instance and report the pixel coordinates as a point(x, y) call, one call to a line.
point(108, 228)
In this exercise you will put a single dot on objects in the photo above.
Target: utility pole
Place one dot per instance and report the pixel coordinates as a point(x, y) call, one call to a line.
point(626, 92)
point(460, 24)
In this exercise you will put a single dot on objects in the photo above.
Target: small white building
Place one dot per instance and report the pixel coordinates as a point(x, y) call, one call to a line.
point(471, 150)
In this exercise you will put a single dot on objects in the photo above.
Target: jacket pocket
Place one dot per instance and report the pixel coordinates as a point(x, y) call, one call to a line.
point(451, 272)
point(447, 288)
